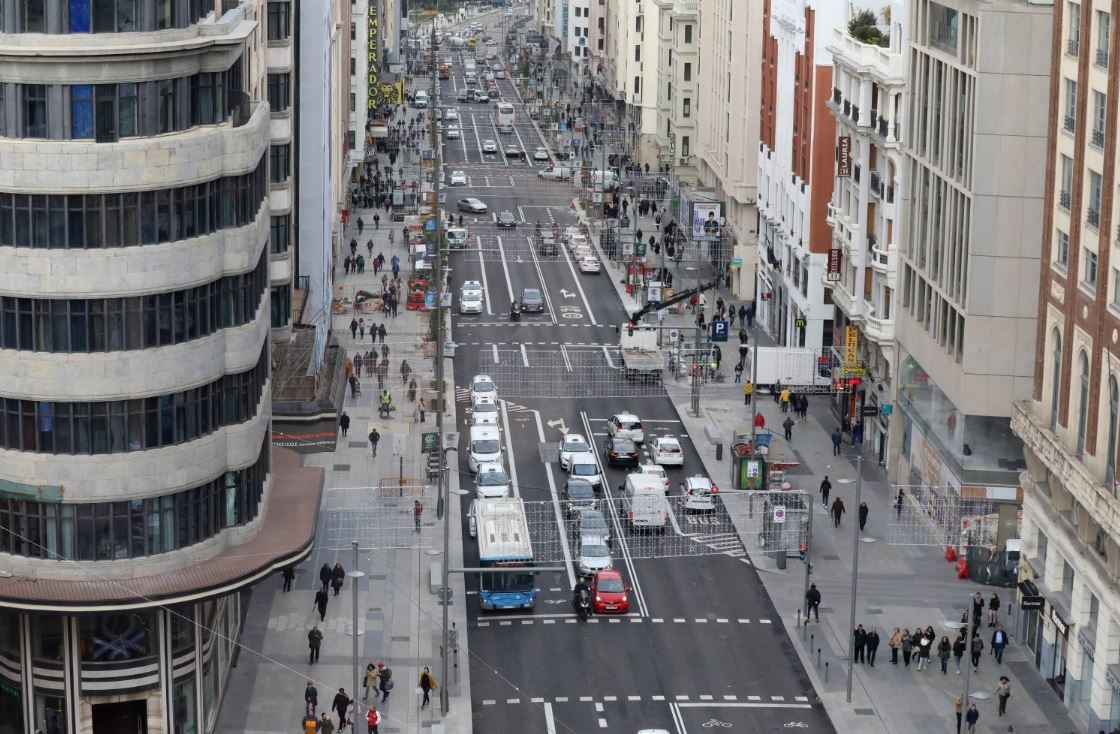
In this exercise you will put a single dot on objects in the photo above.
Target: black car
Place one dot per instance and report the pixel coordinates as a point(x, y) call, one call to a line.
point(532, 301)
point(547, 247)
point(512, 151)
point(621, 452)
point(506, 219)
point(579, 495)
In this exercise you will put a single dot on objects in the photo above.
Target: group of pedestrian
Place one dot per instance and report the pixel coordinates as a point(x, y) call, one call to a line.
point(379, 678)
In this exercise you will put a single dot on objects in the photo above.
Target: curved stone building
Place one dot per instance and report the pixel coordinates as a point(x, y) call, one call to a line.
point(137, 484)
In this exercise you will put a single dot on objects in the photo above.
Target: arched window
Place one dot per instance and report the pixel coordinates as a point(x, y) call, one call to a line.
point(1113, 418)
point(1055, 380)
point(1083, 401)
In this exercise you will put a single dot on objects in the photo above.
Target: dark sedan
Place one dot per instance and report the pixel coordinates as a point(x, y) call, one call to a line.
point(506, 219)
point(512, 151)
point(532, 301)
point(621, 452)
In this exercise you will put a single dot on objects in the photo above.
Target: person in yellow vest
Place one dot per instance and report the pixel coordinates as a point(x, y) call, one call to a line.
point(783, 398)
point(748, 392)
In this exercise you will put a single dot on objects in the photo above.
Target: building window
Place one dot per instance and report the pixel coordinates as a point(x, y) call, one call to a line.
point(637, 53)
point(35, 110)
point(687, 72)
point(34, 14)
point(1073, 28)
point(686, 146)
point(1113, 420)
point(279, 91)
point(1067, 182)
point(1070, 105)
point(81, 111)
point(686, 108)
point(637, 85)
point(1083, 401)
point(1055, 379)
point(1061, 249)
point(167, 105)
point(353, 32)
point(279, 162)
point(279, 233)
point(281, 306)
point(279, 28)
point(353, 102)
point(1093, 208)
point(1089, 275)
point(351, 139)
point(114, 16)
point(688, 33)
point(1104, 25)
point(1097, 136)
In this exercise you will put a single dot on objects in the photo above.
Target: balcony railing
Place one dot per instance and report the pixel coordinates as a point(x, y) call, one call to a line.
point(1102, 57)
point(1068, 123)
point(1063, 200)
point(884, 261)
point(875, 184)
point(898, 131)
point(855, 114)
point(1097, 138)
point(847, 108)
point(1093, 217)
point(1072, 45)
point(836, 95)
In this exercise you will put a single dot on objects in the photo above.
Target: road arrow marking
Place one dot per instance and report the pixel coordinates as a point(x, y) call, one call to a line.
point(558, 423)
point(566, 293)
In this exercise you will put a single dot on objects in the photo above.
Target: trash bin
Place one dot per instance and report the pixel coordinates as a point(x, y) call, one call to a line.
point(780, 557)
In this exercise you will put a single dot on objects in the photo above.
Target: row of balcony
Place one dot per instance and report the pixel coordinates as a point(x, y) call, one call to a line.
point(862, 313)
point(876, 125)
point(878, 62)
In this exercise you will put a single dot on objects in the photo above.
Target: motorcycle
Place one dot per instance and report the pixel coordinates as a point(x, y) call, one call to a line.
point(515, 312)
point(582, 604)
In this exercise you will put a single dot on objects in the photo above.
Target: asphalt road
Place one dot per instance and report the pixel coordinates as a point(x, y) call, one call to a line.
point(702, 647)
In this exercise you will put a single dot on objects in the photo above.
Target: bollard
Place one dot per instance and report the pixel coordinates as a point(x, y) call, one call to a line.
point(819, 658)
point(799, 617)
point(812, 640)
point(826, 673)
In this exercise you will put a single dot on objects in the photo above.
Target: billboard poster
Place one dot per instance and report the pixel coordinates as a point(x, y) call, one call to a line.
point(706, 216)
point(377, 91)
point(844, 157)
point(835, 256)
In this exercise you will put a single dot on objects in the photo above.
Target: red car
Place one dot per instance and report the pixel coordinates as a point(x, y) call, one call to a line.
point(609, 594)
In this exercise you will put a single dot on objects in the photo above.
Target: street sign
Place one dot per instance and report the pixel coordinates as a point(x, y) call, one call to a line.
point(799, 323)
point(869, 411)
point(887, 408)
point(779, 515)
point(430, 299)
point(640, 249)
point(431, 225)
point(450, 439)
point(445, 299)
point(717, 331)
point(736, 262)
point(674, 336)
point(429, 442)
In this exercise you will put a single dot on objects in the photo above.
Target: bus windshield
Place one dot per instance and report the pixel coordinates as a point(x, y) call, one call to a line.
point(512, 582)
point(506, 116)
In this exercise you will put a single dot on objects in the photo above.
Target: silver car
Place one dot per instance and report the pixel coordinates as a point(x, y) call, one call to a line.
point(594, 556)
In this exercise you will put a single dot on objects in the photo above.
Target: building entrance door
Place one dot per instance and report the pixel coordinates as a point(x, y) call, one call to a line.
point(127, 717)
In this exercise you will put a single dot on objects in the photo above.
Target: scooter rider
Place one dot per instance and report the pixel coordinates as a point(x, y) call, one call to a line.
point(582, 592)
point(515, 311)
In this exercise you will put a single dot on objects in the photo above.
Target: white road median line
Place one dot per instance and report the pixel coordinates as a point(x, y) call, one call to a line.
point(544, 288)
point(524, 356)
point(678, 720)
point(557, 509)
point(505, 267)
point(485, 285)
point(607, 356)
point(495, 348)
point(509, 451)
point(567, 362)
point(579, 286)
point(549, 722)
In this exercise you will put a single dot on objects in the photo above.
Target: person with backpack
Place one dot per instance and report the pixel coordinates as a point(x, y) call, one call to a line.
point(385, 673)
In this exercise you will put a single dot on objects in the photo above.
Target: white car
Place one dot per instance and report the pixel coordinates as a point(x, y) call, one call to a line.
point(571, 443)
point(458, 178)
point(540, 154)
point(500, 74)
point(699, 494)
point(577, 241)
point(627, 425)
point(666, 451)
point(472, 286)
point(656, 470)
point(593, 557)
point(489, 147)
point(483, 387)
point(453, 132)
point(470, 303)
point(589, 264)
point(484, 413)
point(583, 466)
point(451, 113)
point(492, 480)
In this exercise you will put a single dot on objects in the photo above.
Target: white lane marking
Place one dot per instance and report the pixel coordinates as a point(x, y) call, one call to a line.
point(636, 585)
point(561, 699)
point(485, 284)
point(657, 698)
point(607, 356)
point(477, 141)
point(509, 450)
point(536, 700)
point(579, 285)
point(521, 213)
point(602, 723)
point(678, 719)
point(495, 348)
point(544, 288)
point(598, 707)
point(556, 508)
point(567, 362)
point(488, 702)
point(633, 698)
point(586, 699)
point(609, 699)
point(740, 705)
point(505, 267)
point(549, 722)
point(524, 356)
point(513, 701)
point(463, 138)
point(732, 698)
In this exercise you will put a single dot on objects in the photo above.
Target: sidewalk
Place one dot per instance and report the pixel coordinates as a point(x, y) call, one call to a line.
point(399, 616)
point(899, 586)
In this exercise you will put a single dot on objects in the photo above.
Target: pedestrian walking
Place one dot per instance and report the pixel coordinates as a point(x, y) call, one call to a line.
point(960, 710)
point(361, 225)
point(417, 513)
point(373, 718)
point(759, 421)
point(289, 577)
point(374, 436)
point(354, 328)
point(427, 685)
point(787, 428)
point(895, 642)
point(837, 439)
point(385, 676)
point(376, 221)
point(1003, 692)
point(837, 510)
point(826, 487)
point(863, 510)
point(381, 333)
point(783, 399)
point(314, 640)
point(344, 423)
point(958, 650)
point(872, 646)
point(311, 697)
point(977, 649)
point(860, 643)
point(325, 576)
point(309, 724)
point(338, 575)
point(813, 603)
point(370, 681)
point(977, 608)
point(321, 600)
point(971, 718)
point(326, 726)
point(748, 392)
point(898, 506)
point(944, 649)
point(339, 705)
point(924, 645)
point(993, 610)
point(999, 642)
point(907, 646)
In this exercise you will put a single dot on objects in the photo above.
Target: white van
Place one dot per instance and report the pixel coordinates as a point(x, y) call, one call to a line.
point(485, 445)
point(583, 466)
point(644, 502)
point(603, 178)
point(457, 237)
point(420, 100)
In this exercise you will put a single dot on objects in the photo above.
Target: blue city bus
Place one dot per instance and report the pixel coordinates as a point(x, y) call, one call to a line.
point(503, 542)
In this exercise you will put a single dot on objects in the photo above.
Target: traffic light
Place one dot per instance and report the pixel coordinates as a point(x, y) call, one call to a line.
point(629, 329)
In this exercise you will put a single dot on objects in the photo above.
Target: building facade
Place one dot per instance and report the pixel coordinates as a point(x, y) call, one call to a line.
point(1069, 425)
point(578, 36)
point(795, 170)
point(868, 94)
point(678, 72)
point(976, 140)
point(280, 58)
point(727, 126)
point(137, 479)
point(631, 74)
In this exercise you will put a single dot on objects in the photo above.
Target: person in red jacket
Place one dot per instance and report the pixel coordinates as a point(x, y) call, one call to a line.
point(373, 719)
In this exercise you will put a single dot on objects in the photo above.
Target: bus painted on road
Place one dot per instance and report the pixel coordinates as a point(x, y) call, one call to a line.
point(506, 117)
point(503, 542)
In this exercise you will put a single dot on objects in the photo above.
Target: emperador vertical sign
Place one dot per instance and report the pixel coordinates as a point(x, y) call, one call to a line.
point(844, 156)
point(378, 92)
